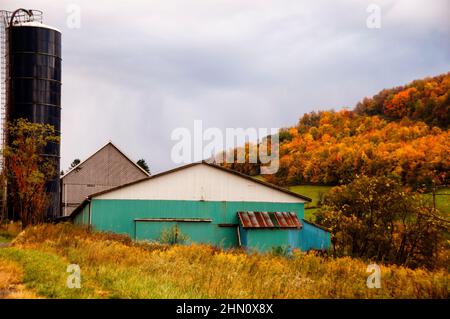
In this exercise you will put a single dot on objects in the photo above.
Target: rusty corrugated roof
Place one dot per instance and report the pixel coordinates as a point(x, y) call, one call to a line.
point(269, 220)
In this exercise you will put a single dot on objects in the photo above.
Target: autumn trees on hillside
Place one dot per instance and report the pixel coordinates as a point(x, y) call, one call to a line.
point(400, 132)
point(426, 100)
point(334, 147)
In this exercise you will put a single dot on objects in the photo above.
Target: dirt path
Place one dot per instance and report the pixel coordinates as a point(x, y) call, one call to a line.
point(11, 286)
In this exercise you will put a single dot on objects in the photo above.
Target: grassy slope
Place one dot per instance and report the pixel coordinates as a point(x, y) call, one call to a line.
point(313, 191)
point(442, 200)
point(115, 267)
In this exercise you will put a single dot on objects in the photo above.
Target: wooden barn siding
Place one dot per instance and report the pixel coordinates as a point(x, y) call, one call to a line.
point(106, 169)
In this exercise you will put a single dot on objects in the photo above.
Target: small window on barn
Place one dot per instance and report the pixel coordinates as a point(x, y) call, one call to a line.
point(90, 185)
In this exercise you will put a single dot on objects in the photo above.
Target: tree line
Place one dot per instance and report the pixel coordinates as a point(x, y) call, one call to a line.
point(426, 100)
point(401, 132)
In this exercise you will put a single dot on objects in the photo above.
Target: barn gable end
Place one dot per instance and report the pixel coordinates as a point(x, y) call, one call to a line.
point(105, 169)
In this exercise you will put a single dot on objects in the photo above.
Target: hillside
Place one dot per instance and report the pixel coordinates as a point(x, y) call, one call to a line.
point(401, 132)
point(426, 100)
point(112, 266)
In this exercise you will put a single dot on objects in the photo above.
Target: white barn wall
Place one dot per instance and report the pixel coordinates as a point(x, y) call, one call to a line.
point(201, 182)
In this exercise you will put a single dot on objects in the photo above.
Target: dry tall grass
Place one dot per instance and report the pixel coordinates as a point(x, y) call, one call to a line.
point(119, 268)
point(9, 230)
point(11, 286)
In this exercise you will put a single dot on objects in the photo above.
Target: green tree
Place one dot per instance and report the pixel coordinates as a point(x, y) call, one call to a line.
point(143, 164)
point(375, 218)
point(27, 170)
point(74, 163)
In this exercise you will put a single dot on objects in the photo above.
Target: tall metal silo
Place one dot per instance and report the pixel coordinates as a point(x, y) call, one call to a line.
point(33, 88)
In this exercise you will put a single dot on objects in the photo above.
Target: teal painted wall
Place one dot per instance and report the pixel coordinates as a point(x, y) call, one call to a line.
point(312, 237)
point(266, 239)
point(200, 232)
point(307, 238)
point(82, 218)
point(119, 216)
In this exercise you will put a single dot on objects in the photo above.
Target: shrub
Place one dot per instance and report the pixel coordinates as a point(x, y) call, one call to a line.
point(376, 218)
point(172, 236)
point(283, 251)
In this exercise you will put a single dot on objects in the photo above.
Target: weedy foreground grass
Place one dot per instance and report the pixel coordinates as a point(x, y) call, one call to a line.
point(9, 231)
point(11, 282)
point(113, 266)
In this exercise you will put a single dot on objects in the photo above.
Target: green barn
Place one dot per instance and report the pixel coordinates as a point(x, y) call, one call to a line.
point(206, 203)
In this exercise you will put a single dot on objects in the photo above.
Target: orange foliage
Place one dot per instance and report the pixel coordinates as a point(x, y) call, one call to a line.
point(426, 100)
point(343, 145)
point(334, 147)
point(398, 106)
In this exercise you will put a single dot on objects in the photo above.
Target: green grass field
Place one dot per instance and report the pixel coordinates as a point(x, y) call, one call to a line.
point(314, 191)
point(442, 201)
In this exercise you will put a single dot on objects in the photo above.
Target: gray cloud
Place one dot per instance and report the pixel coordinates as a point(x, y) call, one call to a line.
point(136, 70)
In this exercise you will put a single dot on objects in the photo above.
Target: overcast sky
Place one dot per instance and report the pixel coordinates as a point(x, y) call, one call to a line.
point(136, 70)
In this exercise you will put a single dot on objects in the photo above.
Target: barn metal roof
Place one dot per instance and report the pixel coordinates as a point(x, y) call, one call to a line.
point(269, 220)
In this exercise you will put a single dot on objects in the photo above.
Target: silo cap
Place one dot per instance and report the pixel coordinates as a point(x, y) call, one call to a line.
point(36, 24)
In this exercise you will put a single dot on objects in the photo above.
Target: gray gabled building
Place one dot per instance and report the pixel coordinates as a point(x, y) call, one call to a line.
point(107, 168)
